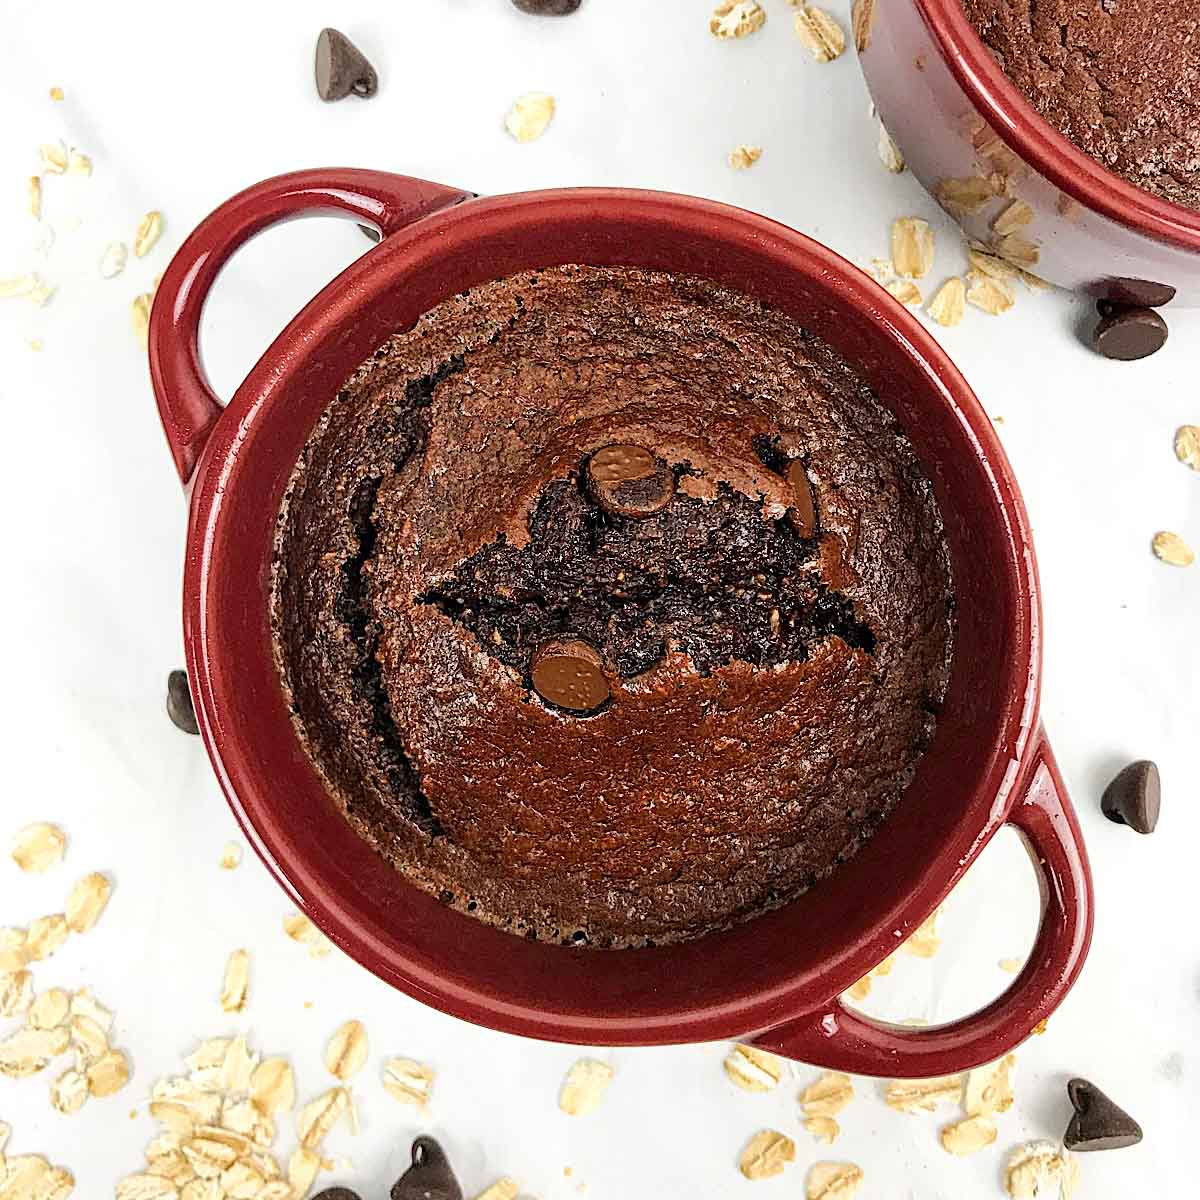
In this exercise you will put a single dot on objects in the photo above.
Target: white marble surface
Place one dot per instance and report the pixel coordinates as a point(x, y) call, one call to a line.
point(179, 107)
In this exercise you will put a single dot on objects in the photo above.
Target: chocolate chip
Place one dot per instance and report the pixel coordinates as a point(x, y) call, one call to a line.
point(1127, 333)
point(337, 1193)
point(569, 672)
point(804, 511)
point(430, 1176)
point(1139, 293)
point(1134, 797)
point(179, 703)
point(342, 68)
point(372, 235)
point(547, 8)
point(1098, 1124)
point(628, 481)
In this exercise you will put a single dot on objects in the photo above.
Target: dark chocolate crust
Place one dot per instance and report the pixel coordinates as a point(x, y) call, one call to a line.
point(771, 693)
point(1120, 78)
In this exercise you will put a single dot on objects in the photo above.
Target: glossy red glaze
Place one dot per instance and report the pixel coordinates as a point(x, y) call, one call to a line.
point(940, 92)
point(988, 764)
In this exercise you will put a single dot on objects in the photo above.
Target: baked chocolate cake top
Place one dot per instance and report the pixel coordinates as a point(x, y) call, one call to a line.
point(613, 606)
point(1120, 78)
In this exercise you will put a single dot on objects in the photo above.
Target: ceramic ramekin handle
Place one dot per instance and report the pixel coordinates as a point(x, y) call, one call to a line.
point(186, 401)
point(840, 1039)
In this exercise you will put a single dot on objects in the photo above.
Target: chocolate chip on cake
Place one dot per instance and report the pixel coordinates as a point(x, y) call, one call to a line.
point(179, 703)
point(628, 481)
point(341, 68)
point(1134, 796)
point(1098, 1123)
point(1127, 334)
point(803, 512)
point(570, 673)
point(430, 1177)
point(547, 8)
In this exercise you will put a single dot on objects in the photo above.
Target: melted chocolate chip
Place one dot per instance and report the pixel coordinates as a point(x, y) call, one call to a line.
point(1134, 797)
point(803, 512)
point(1098, 1123)
point(430, 1177)
point(1127, 334)
point(569, 672)
point(341, 68)
point(547, 8)
point(179, 703)
point(628, 481)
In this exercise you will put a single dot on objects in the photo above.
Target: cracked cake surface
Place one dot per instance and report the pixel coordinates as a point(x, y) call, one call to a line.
point(762, 689)
point(1119, 78)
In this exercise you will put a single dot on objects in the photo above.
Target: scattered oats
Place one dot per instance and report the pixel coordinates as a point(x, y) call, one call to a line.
point(1039, 1171)
point(240, 1116)
point(1187, 446)
point(53, 156)
point(1041, 1026)
point(14, 949)
point(35, 344)
point(923, 1095)
point(1171, 548)
point(1014, 248)
point(237, 982)
point(1001, 184)
point(40, 293)
point(84, 1004)
point(87, 901)
point(209, 1054)
point(881, 269)
point(742, 157)
point(584, 1087)
point(78, 163)
point(994, 296)
point(242, 1182)
point(529, 116)
point(21, 285)
point(50, 1009)
point(16, 993)
point(906, 292)
point(1011, 965)
point(408, 1081)
point(860, 989)
point(347, 1050)
point(1035, 283)
point(5, 1134)
point(753, 1070)
point(824, 1129)
point(273, 1087)
point(231, 856)
point(35, 197)
point(912, 247)
point(964, 197)
point(108, 1074)
point(988, 264)
point(237, 1067)
point(302, 1170)
point(31, 1177)
point(502, 1189)
point(203, 1107)
point(319, 1116)
point(862, 21)
point(46, 936)
point(147, 233)
point(968, 1136)
point(889, 152)
point(178, 1121)
point(833, 1181)
point(949, 305)
point(736, 18)
point(989, 1088)
point(828, 1095)
point(113, 261)
point(56, 93)
point(300, 929)
point(140, 316)
point(820, 33)
point(28, 1051)
point(69, 1091)
point(1017, 215)
point(88, 1035)
point(766, 1154)
point(37, 848)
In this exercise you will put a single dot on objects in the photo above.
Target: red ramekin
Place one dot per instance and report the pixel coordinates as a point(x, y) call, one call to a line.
point(956, 115)
point(778, 978)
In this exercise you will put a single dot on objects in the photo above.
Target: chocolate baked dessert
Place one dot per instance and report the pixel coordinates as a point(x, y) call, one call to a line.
point(1120, 78)
point(613, 607)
